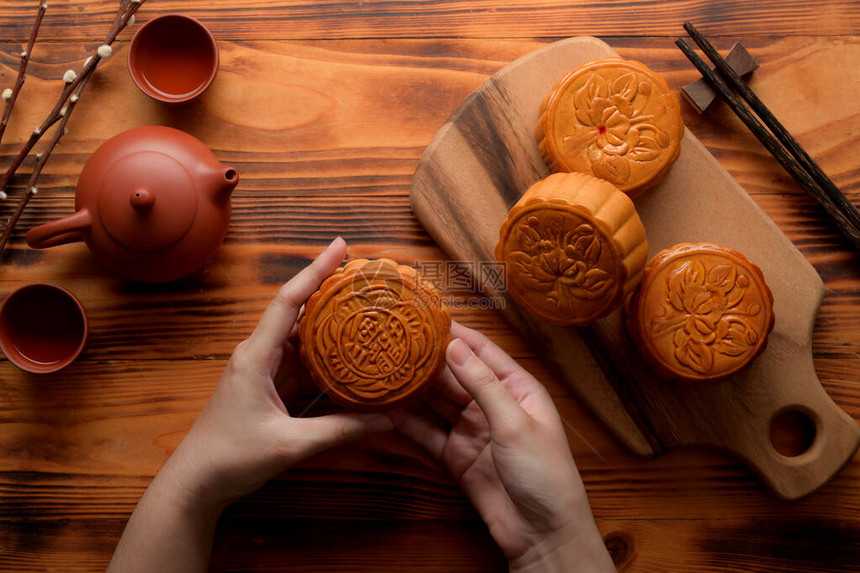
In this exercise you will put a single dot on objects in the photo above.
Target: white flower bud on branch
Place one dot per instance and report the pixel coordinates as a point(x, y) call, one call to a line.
point(60, 112)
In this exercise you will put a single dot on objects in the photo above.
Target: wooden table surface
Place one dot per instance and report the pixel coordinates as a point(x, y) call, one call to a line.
point(325, 109)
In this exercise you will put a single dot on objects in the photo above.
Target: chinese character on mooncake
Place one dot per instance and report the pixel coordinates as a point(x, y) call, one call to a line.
point(614, 119)
point(574, 247)
point(374, 335)
point(702, 312)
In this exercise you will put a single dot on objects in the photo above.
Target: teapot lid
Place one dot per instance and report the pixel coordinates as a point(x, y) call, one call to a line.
point(147, 201)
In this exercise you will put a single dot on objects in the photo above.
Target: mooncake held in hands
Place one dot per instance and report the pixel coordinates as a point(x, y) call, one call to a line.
point(614, 119)
point(702, 312)
point(374, 335)
point(574, 247)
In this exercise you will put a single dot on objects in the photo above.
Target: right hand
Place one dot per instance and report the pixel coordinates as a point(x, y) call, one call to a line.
point(507, 449)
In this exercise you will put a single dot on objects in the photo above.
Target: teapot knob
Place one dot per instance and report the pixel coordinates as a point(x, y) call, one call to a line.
point(142, 199)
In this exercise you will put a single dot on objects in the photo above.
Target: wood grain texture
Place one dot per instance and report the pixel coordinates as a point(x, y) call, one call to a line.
point(267, 19)
point(326, 117)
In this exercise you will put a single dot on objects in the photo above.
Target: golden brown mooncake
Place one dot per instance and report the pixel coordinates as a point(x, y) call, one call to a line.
point(614, 119)
point(374, 334)
point(574, 248)
point(702, 312)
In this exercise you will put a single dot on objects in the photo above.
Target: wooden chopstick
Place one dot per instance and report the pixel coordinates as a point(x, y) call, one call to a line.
point(781, 145)
point(765, 115)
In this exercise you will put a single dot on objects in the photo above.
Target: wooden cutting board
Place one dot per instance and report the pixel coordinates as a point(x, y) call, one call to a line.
point(486, 156)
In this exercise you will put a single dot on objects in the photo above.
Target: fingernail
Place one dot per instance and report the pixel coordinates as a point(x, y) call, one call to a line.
point(459, 352)
point(331, 245)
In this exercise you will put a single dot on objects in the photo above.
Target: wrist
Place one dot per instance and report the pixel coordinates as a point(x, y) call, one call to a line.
point(184, 485)
point(563, 552)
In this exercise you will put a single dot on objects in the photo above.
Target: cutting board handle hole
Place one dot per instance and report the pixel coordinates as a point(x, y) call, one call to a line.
point(792, 432)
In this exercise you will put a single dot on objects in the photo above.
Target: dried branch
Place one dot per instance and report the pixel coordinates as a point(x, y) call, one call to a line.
point(73, 80)
point(10, 95)
point(41, 159)
point(75, 84)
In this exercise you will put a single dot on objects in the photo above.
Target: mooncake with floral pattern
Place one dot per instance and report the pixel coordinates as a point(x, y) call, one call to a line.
point(702, 312)
point(614, 119)
point(574, 248)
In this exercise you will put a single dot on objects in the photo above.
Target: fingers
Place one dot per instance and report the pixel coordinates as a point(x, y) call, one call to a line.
point(326, 432)
point(448, 386)
point(514, 377)
point(501, 409)
point(420, 430)
point(443, 407)
point(279, 317)
point(287, 377)
point(497, 359)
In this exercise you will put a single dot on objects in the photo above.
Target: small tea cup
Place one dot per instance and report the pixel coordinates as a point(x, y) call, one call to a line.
point(173, 58)
point(43, 328)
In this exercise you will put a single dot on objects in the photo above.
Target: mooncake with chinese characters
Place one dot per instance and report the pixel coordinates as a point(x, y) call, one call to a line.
point(374, 335)
point(574, 248)
point(702, 312)
point(614, 119)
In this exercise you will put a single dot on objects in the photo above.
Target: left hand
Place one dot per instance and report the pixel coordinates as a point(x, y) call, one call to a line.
point(245, 434)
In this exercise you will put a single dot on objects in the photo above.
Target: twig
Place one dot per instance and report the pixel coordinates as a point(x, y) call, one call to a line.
point(10, 95)
point(41, 159)
point(75, 83)
point(73, 80)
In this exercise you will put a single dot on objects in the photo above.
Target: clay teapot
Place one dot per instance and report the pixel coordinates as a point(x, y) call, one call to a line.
point(152, 204)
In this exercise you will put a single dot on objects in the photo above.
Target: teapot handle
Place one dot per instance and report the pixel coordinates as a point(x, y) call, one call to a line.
point(60, 232)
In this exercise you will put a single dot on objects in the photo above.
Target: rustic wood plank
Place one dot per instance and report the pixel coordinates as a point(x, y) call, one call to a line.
point(88, 443)
point(149, 322)
point(297, 157)
point(265, 19)
point(366, 546)
point(79, 448)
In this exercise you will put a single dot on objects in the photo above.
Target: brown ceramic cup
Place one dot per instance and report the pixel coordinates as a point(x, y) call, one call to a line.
point(43, 328)
point(173, 58)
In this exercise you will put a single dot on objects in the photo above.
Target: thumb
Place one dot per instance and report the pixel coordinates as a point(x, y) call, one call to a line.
point(326, 432)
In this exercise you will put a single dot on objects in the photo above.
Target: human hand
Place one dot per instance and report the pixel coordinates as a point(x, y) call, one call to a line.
point(507, 449)
point(245, 435)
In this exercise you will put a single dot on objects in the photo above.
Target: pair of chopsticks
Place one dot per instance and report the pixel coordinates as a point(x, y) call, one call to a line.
point(774, 137)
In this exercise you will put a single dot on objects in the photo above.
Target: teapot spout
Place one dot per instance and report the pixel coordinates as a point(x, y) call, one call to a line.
point(222, 180)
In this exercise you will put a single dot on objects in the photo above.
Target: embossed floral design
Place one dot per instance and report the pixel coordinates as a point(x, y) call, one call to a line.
point(702, 309)
point(561, 261)
point(616, 133)
point(375, 340)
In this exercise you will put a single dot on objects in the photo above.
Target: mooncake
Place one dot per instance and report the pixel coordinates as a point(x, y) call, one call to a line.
point(702, 312)
point(574, 247)
point(374, 334)
point(614, 119)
